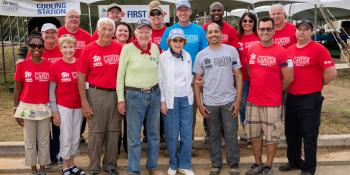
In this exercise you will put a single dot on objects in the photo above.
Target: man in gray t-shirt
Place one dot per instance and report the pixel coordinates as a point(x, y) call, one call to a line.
point(222, 94)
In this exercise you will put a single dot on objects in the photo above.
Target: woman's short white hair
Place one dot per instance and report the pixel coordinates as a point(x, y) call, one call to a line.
point(105, 21)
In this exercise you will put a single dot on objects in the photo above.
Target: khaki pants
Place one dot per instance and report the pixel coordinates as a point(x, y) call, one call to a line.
point(104, 127)
point(37, 141)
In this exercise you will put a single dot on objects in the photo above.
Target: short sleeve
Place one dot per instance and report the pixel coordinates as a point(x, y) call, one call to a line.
point(83, 61)
point(197, 67)
point(236, 63)
point(18, 74)
point(204, 42)
point(324, 58)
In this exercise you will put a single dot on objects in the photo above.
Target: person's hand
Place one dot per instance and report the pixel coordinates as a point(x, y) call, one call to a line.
point(204, 111)
point(199, 81)
point(87, 110)
point(56, 119)
point(164, 109)
point(20, 122)
point(235, 107)
point(121, 107)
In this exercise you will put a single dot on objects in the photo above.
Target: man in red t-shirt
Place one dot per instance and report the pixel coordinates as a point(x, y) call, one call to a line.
point(284, 31)
point(156, 16)
point(313, 68)
point(71, 26)
point(270, 74)
point(114, 12)
point(229, 34)
point(98, 66)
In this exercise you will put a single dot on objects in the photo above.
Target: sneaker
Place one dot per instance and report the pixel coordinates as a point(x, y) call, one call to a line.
point(77, 171)
point(171, 172)
point(288, 167)
point(255, 169)
point(186, 171)
point(112, 172)
point(267, 171)
point(206, 140)
point(234, 170)
point(215, 171)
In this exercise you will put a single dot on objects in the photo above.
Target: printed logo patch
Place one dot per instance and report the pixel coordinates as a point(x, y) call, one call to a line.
point(97, 61)
point(301, 60)
point(111, 59)
point(28, 76)
point(42, 76)
point(65, 77)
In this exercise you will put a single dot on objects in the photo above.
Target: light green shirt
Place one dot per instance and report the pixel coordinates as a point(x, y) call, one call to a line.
point(136, 70)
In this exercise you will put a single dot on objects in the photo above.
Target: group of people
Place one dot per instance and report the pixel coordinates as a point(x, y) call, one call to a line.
point(155, 76)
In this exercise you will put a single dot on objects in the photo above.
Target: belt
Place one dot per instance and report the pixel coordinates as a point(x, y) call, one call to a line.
point(142, 90)
point(106, 89)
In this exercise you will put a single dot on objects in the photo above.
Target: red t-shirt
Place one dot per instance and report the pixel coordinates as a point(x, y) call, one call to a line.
point(286, 36)
point(65, 75)
point(246, 42)
point(35, 81)
point(157, 36)
point(83, 38)
point(100, 64)
point(94, 36)
point(265, 75)
point(229, 34)
point(309, 64)
point(50, 55)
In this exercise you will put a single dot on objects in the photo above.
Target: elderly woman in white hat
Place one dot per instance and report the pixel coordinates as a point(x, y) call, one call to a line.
point(175, 77)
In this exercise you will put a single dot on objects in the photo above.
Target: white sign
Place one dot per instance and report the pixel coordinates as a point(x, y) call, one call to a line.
point(37, 9)
point(133, 13)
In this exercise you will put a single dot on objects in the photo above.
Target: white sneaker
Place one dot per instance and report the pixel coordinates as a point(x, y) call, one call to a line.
point(186, 171)
point(171, 172)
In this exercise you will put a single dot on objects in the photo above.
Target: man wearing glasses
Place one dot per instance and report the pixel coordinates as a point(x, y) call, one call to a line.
point(304, 99)
point(270, 72)
point(221, 99)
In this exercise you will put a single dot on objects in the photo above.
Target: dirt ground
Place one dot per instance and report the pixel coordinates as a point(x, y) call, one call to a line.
point(335, 113)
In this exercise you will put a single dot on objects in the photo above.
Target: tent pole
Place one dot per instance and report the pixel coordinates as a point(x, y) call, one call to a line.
point(3, 51)
point(315, 28)
point(89, 19)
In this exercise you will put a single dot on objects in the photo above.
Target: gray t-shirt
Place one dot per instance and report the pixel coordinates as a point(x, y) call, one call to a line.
point(217, 66)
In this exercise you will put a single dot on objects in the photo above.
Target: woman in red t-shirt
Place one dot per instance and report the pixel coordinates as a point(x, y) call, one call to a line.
point(31, 108)
point(65, 103)
point(247, 38)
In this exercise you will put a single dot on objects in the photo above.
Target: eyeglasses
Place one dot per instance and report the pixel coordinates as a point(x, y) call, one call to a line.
point(155, 13)
point(216, 10)
point(268, 29)
point(73, 16)
point(247, 21)
point(33, 46)
point(181, 40)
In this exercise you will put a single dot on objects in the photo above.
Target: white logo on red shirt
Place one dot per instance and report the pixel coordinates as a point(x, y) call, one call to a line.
point(282, 41)
point(111, 59)
point(327, 62)
point(252, 59)
point(97, 61)
point(301, 60)
point(224, 38)
point(65, 77)
point(80, 44)
point(28, 76)
point(42, 76)
point(53, 60)
point(74, 75)
point(157, 40)
point(267, 60)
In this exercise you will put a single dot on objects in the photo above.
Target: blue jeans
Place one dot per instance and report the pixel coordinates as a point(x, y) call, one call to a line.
point(246, 84)
point(140, 107)
point(179, 121)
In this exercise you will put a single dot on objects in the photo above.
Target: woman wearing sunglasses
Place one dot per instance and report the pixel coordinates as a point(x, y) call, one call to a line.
point(248, 38)
point(175, 77)
point(30, 100)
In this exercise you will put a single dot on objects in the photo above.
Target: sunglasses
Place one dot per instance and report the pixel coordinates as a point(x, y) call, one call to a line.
point(265, 29)
point(33, 46)
point(155, 13)
point(178, 40)
point(247, 21)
